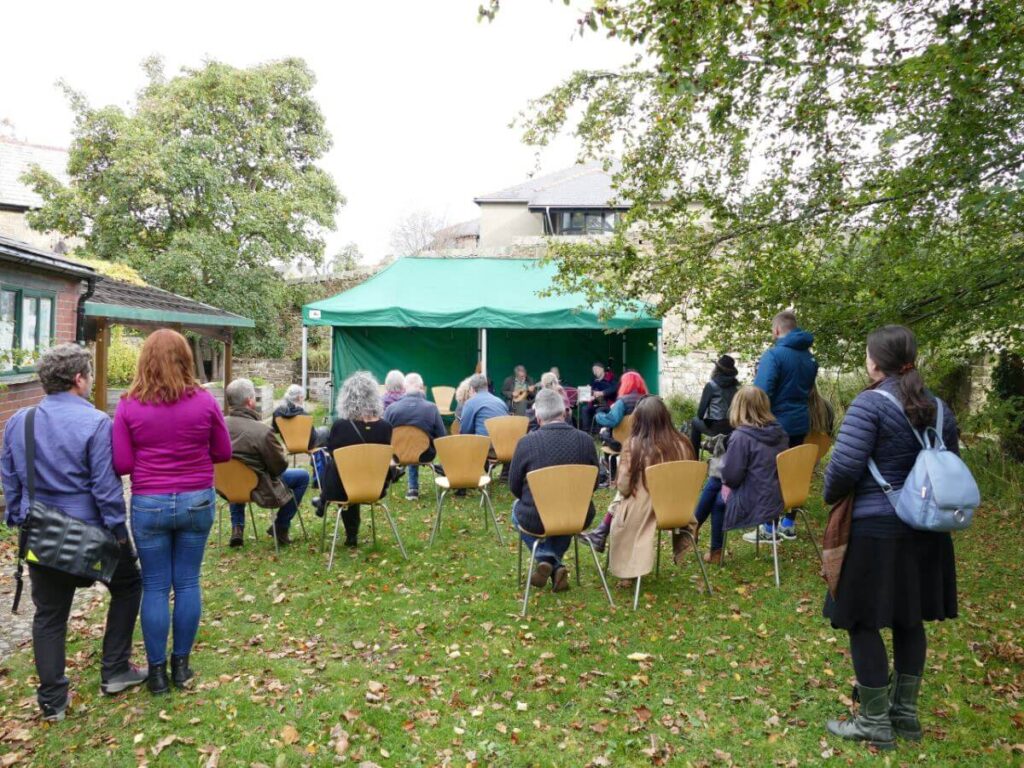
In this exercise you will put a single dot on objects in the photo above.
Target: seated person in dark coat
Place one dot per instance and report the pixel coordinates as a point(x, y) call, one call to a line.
point(359, 421)
point(554, 443)
point(414, 410)
point(294, 405)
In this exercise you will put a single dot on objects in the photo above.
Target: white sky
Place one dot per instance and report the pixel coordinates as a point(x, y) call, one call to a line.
point(416, 93)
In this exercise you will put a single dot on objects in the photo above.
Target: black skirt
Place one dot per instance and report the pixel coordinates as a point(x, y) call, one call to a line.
point(892, 579)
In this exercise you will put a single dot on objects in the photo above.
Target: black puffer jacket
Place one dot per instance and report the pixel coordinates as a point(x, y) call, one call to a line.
point(873, 427)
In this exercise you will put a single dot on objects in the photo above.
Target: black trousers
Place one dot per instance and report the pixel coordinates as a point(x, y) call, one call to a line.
point(700, 427)
point(52, 593)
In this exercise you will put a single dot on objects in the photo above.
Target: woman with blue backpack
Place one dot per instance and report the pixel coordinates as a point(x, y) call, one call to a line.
point(894, 575)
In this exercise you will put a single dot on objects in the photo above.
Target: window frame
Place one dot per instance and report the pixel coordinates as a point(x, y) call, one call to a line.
point(608, 221)
point(21, 293)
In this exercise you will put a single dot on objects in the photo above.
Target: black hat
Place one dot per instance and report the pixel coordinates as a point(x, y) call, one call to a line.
point(726, 365)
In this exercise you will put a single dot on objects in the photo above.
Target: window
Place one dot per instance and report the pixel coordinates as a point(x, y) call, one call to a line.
point(581, 222)
point(26, 326)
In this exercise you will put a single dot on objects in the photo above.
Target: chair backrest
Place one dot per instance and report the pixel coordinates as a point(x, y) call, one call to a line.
point(463, 458)
point(796, 467)
point(675, 487)
point(234, 481)
point(295, 432)
point(622, 432)
point(505, 433)
point(821, 440)
point(409, 443)
point(363, 470)
point(456, 426)
point(562, 495)
point(443, 397)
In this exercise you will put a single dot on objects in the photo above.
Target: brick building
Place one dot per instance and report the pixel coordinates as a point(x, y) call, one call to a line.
point(41, 303)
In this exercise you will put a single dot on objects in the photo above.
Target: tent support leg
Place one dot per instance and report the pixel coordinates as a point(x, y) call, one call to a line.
point(305, 361)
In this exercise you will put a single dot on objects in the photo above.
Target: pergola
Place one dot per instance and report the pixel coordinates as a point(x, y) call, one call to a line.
point(113, 302)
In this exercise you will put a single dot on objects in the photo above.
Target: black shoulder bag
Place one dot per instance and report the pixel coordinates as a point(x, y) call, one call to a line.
point(51, 539)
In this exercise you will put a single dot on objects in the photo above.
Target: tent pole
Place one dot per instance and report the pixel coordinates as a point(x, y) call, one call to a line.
point(305, 361)
point(623, 354)
point(483, 351)
point(661, 361)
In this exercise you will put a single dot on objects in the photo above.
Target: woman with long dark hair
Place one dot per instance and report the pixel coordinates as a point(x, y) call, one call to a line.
point(893, 576)
point(168, 434)
point(654, 440)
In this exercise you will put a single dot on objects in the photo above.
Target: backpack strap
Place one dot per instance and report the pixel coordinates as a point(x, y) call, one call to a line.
point(891, 398)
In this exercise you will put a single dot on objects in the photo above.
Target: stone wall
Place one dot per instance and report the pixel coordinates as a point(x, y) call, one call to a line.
point(686, 363)
point(277, 373)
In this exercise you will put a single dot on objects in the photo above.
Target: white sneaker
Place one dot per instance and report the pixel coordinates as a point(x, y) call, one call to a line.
point(765, 533)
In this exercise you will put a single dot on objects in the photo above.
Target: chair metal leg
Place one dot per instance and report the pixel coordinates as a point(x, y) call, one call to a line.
point(323, 527)
point(576, 549)
point(494, 517)
point(437, 517)
point(373, 525)
point(700, 560)
point(394, 530)
point(600, 572)
point(775, 554)
point(810, 530)
point(657, 554)
point(725, 541)
point(636, 593)
point(302, 524)
point(252, 517)
point(273, 530)
point(519, 566)
point(334, 540)
point(529, 575)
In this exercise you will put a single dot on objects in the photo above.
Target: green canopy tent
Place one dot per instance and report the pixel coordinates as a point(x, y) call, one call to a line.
point(441, 316)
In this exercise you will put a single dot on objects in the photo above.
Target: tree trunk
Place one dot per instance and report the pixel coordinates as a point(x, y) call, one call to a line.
point(197, 353)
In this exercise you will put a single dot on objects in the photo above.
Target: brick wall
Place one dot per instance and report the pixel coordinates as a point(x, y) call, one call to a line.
point(23, 394)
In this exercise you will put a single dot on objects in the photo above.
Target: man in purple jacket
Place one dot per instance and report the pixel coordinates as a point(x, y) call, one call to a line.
point(74, 473)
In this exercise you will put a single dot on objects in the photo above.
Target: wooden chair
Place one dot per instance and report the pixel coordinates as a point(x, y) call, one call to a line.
point(464, 458)
point(620, 434)
point(795, 468)
point(822, 441)
point(363, 470)
point(443, 397)
point(235, 482)
point(675, 487)
point(296, 432)
point(408, 444)
point(505, 433)
point(562, 495)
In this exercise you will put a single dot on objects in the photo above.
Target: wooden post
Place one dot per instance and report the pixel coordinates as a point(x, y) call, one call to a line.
point(99, 396)
point(228, 373)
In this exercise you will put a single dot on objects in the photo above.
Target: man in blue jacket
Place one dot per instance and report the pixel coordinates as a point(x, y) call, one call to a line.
point(414, 410)
point(786, 373)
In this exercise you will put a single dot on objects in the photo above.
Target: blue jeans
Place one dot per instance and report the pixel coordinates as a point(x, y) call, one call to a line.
point(712, 505)
point(414, 477)
point(170, 531)
point(550, 550)
point(298, 481)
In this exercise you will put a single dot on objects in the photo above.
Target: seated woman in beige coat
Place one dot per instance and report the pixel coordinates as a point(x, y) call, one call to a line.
point(634, 527)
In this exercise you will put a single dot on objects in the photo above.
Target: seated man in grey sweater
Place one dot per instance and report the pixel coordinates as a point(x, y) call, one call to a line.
point(414, 410)
point(555, 443)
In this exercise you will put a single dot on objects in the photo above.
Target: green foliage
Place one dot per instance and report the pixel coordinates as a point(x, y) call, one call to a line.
point(682, 408)
point(1006, 403)
point(209, 187)
point(857, 159)
point(123, 359)
point(318, 360)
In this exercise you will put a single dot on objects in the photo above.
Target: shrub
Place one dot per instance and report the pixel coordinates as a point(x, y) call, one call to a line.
point(1005, 406)
point(122, 360)
point(318, 360)
point(682, 408)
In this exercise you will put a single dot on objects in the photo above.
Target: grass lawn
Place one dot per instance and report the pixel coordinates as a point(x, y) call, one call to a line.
point(427, 662)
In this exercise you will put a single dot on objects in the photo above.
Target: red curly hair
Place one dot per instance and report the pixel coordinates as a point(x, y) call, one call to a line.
point(632, 383)
point(166, 369)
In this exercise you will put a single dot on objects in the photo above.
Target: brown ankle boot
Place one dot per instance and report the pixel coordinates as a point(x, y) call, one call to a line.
point(681, 546)
point(714, 557)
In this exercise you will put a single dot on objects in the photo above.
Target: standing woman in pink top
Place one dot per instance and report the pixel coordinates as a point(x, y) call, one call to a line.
point(168, 434)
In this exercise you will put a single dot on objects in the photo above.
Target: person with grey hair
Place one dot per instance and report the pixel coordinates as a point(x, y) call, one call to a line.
point(359, 421)
point(480, 407)
point(74, 472)
point(293, 405)
point(555, 443)
point(254, 444)
point(394, 388)
point(414, 410)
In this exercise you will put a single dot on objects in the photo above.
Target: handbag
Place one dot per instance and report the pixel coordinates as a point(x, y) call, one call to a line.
point(835, 542)
point(49, 538)
point(940, 493)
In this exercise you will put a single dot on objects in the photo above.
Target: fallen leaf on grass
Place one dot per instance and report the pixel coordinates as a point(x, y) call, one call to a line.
point(639, 657)
point(163, 744)
point(10, 758)
point(340, 739)
point(289, 734)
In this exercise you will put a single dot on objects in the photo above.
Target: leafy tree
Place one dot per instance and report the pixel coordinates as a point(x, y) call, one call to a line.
point(209, 187)
point(857, 159)
point(348, 257)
